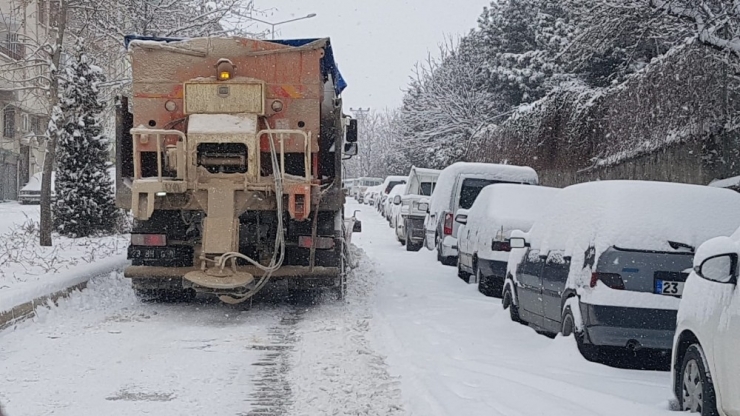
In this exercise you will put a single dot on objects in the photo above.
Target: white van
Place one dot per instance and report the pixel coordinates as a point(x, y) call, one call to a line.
point(414, 203)
point(457, 187)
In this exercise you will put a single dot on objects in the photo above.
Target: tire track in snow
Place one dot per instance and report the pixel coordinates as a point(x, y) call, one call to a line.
point(273, 394)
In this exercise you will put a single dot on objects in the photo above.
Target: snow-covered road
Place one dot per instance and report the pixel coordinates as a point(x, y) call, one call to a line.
point(412, 339)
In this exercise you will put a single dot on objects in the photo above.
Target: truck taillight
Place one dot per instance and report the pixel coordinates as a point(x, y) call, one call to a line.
point(612, 280)
point(321, 243)
point(148, 240)
point(448, 223)
point(501, 246)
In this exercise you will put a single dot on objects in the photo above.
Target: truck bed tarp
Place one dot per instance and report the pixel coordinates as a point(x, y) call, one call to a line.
point(328, 65)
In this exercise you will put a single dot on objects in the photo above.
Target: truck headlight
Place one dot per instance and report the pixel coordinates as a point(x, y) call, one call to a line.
point(423, 206)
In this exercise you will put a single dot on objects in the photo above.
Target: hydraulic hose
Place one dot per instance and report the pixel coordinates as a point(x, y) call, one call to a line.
point(278, 255)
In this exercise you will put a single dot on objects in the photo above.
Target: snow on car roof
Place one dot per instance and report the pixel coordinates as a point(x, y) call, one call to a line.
point(634, 215)
point(510, 206)
point(397, 190)
point(446, 180)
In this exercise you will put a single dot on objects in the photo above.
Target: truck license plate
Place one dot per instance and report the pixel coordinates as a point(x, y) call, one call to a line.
point(151, 253)
point(667, 287)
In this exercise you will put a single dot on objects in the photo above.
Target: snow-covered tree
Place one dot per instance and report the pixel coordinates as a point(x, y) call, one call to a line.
point(84, 203)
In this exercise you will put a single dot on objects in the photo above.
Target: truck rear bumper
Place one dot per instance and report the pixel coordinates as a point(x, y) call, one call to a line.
point(297, 272)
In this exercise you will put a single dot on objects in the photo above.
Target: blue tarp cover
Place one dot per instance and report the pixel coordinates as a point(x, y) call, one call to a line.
point(328, 65)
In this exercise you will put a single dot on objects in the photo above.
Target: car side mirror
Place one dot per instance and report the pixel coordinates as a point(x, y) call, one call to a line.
point(517, 242)
point(461, 219)
point(350, 149)
point(397, 200)
point(720, 269)
point(351, 136)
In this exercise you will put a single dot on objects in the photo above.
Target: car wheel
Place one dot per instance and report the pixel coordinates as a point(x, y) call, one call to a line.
point(697, 390)
point(568, 327)
point(465, 276)
point(508, 302)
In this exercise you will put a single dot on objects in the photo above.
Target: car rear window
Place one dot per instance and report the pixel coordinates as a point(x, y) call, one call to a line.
point(471, 187)
point(426, 188)
point(391, 185)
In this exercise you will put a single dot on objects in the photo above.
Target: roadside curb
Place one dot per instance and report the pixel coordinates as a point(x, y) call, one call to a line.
point(19, 304)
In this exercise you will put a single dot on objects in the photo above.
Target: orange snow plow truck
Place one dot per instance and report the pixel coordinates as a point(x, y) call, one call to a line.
point(229, 157)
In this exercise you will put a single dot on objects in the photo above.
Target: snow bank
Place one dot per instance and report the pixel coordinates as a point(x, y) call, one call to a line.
point(52, 283)
point(501, 208)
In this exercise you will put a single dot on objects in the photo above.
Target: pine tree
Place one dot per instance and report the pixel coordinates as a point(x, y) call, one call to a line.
point(84, 203)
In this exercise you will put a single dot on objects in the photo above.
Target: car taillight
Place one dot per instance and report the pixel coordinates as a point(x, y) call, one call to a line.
point(148, 240)
point(448, 224)
point(612, 280)
point(501, 246)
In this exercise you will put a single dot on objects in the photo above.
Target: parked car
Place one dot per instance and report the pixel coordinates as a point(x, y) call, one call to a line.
point(390, 206)
point(389, 183)
point(706, 363)
point(360, 186)
point(483, 237)
point(371, 195)
point(457, 187)
point(414, 203)
point(607, 261)
point(31, 192)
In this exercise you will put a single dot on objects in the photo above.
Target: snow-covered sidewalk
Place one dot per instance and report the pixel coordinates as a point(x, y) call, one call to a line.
point(458, 353)
point(29, 269)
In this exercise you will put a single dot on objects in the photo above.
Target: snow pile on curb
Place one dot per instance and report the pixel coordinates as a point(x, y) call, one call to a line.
point(335, 370)
point(30, 291)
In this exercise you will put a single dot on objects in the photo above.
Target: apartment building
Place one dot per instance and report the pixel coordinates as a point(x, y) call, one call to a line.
point(24, 25)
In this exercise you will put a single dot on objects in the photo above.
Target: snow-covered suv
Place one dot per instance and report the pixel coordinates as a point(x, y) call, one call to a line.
point(706, 360)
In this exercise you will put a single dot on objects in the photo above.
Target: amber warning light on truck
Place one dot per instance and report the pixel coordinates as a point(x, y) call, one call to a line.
point(225, 70)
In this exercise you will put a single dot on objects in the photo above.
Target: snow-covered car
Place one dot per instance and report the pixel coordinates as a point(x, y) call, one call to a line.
point(706, 363)
point(483, 237)
point(388, 184)
point(457, 187)
point(414, 203)
point(31, 192)
point(371, 194)
point(391, 207)
point(360, 186)
point(388, 205)
point(608, 260)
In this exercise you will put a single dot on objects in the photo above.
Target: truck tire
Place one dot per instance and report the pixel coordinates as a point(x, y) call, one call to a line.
point(412, 246)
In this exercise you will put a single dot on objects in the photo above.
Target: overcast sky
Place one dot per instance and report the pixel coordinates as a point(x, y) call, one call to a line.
point(376, 42)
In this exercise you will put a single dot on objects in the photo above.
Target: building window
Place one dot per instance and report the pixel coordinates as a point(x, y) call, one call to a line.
point(12, 46)
point(42, 12)
point(9, 122)
point(25, 123)
point(36, 125)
